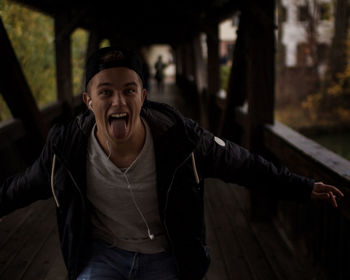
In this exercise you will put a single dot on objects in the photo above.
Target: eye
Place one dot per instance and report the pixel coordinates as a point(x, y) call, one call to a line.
point(130, 90)
point(105, 92)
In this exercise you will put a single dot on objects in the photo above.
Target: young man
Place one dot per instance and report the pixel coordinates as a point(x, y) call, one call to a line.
point(127, 178)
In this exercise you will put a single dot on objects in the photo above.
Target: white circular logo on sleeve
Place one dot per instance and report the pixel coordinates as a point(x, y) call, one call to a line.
point(219, 141)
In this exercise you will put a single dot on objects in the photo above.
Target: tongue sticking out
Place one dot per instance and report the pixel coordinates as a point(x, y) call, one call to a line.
point(119, 128)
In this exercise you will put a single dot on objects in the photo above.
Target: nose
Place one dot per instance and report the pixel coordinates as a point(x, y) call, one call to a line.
point(119, 99)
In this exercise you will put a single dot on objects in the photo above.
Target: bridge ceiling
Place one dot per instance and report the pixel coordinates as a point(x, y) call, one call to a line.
point(143, 22)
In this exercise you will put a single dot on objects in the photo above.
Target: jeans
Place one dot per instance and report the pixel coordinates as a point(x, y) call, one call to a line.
point(111, 263)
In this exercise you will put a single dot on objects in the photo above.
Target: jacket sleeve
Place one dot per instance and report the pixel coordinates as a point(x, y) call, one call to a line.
point(232, 163)
point(33, 184)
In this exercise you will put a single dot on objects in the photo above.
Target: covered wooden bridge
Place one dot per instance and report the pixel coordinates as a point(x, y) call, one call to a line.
point(250, 236)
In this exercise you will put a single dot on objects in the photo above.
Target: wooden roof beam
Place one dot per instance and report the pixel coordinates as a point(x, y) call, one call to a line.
point(63, 60)
point(17, 93)
point(69, 21)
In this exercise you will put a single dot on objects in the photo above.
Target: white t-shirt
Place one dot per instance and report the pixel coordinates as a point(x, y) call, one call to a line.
point(125, 216)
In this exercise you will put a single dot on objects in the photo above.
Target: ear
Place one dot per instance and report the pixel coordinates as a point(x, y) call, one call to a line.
point(143, 95)
point(86, 99)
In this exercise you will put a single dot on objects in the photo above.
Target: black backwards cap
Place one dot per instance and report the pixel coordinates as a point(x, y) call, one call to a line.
point(110, 57)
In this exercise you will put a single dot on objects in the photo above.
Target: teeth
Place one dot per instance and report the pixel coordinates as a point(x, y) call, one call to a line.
point(121, 115)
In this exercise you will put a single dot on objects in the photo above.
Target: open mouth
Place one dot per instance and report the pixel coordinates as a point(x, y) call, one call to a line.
point(118, 123)
point(119, 117)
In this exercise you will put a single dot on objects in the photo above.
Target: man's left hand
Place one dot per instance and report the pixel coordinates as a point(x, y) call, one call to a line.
point(326, 192)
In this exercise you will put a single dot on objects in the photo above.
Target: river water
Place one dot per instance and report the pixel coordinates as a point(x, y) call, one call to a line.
point(336, 142)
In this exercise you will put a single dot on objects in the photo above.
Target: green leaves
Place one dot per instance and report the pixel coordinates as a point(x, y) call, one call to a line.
point(32, 37)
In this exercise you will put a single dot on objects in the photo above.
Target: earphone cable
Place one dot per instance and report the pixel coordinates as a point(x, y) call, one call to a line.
point(150, 235)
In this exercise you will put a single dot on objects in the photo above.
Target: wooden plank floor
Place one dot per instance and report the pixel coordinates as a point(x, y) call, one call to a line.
point(242, 249)
point(29, 247)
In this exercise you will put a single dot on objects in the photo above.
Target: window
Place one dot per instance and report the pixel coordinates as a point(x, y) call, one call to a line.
point(303, 55)
point(325, 11)
point(303, 13)
point(322, 52)
point(283, 14)
point(79, 40)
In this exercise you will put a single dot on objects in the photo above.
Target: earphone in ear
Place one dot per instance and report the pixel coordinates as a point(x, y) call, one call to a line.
point(90, 105)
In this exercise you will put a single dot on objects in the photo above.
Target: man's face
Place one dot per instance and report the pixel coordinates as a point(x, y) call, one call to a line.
point(116, 96)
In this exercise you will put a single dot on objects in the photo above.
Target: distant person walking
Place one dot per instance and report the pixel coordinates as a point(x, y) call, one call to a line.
point(160, 67)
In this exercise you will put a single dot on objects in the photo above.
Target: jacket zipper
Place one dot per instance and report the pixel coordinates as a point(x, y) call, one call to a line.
point(70, 176)
point(52, 181)
point(194, 167)
point(81, 197)
point(166, 206)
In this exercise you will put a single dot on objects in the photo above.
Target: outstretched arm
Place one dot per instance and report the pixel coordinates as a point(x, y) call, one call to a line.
point(232, 163)
point(322, 191)
point(33, 184)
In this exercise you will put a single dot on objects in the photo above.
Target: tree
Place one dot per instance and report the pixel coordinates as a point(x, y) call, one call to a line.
point(338, 51)
point(331, 105)
point(32, 37)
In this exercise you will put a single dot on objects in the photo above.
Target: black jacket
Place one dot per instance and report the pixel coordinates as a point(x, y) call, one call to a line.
point(185, 155)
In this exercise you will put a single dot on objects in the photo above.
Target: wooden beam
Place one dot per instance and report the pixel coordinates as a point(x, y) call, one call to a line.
point(183, 61)
point(200, 71)
point(178, 61)
point(213, 75)
point(63, 60)
point(213, 59)
point(71, 22)
point(17, 94)
point(237, 86)
point(252, 74)
point(189, 51)
point(260, 48)
point(93, 43)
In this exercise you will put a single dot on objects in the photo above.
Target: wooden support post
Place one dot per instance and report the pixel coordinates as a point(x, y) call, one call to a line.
point(178, 60)
point(213, 75)
point(93, 43)
point(213, 59)
point(189, 62)
point(63, 60)
point(260, 47)
point(199, 65)
point(183, 62)
point(18, 96)
point(181, 65)
point(237, 87)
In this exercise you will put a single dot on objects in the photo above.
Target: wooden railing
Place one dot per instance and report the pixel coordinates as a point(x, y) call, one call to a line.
point(14, 152)
point(316, 229)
